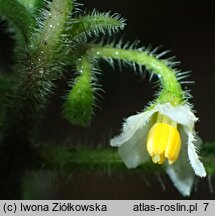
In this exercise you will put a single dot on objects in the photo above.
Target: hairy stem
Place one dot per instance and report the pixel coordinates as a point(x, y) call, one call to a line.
point(171, 88)
point(103, 159)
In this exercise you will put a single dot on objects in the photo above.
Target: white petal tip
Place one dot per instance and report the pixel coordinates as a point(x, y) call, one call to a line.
point(197, 165)
point(183, 184)
point(130, 160)
point(112, 143)
point(117, 141)
point(195, 162)
point(201, 172)
point(131, 166)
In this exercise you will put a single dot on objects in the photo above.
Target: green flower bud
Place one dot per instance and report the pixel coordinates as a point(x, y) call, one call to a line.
point(78, 107)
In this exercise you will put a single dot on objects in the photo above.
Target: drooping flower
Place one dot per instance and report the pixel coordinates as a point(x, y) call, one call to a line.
point(164, 133)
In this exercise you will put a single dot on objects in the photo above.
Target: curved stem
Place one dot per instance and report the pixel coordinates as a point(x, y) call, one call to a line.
point(171, 88)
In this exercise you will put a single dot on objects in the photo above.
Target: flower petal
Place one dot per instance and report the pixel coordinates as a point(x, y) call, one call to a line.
point(197, 165)
point(131, 126)
point(182, 178)
point(133, 152)
point(132, 141)
point(181, 172)
point(181, 114)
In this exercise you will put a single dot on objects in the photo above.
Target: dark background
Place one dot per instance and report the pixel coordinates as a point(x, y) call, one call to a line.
point(184, 27)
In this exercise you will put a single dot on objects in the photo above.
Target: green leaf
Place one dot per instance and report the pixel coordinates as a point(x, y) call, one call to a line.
point(32, 5)
point(96, 23)
point(19, 16)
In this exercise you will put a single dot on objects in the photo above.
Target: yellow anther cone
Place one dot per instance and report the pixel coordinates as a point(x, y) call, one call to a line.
point(173, 146)
point(163, 141)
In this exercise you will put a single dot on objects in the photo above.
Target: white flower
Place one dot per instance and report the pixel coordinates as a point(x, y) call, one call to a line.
point(163, 132)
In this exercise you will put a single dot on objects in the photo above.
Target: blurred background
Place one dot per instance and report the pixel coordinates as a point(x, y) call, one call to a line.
point(184, 27)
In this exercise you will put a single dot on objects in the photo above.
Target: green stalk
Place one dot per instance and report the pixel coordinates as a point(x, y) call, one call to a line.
point(49, 40)
point(171, 88)
point(101, 159)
